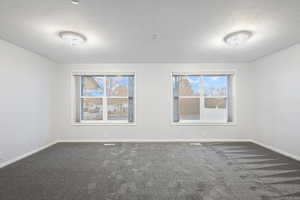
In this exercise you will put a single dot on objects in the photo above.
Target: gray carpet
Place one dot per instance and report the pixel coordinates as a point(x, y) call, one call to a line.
point(152, 171)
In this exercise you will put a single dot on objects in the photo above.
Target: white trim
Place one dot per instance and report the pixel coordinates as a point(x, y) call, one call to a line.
point(103, 123)
point(277, 150)
point(11, 161)
point(93, 73)
point(202, 123)
point(101, 97)
point(91, 97)
point(208, 72)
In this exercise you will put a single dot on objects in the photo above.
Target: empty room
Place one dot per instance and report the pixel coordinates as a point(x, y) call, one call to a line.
point(150, 100)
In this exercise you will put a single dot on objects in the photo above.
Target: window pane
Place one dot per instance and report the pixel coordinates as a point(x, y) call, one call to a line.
point(92, 109)
point(117, 108)
point(215, 85)
point(117, 85)
point(219, 103)
point(215, 110)
point(189, 108)
point(92, 86)
point(189, 86)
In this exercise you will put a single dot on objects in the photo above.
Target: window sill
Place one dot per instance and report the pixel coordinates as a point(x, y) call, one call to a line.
point(103, 124)
point(203, 123)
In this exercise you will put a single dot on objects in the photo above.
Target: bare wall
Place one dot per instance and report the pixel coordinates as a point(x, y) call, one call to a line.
point(26, 86)
point(277, 99)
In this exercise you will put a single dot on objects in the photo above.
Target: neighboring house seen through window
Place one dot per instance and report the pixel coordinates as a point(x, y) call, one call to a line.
point(202, 98)
point(105, 98)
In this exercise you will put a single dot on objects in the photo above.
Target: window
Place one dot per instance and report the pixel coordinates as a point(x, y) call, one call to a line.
point(202, 98)
point(104, 98)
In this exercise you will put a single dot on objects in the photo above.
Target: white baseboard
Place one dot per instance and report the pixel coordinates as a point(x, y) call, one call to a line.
point(25, 155)
point(277, 150)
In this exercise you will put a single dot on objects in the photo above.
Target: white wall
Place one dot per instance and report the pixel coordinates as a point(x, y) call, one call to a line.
point(35, 102)
point(153, 105)
point(277, 83)
point(26, 86)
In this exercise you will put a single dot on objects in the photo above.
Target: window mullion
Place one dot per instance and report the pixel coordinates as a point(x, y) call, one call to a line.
point(105, 110)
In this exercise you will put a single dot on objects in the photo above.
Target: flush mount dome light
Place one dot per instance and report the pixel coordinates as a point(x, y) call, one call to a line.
point(237, 38)
point(72, 38)
point(76, 2)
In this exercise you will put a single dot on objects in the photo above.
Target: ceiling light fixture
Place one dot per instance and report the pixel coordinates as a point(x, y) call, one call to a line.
point(237, 38)
point(72, 38)
point(76, 2)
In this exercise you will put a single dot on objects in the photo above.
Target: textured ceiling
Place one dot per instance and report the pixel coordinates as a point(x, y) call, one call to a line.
point(122, 30)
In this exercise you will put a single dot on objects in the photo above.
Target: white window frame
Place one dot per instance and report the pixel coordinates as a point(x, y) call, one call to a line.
point(233, 73)
point(104, 98)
